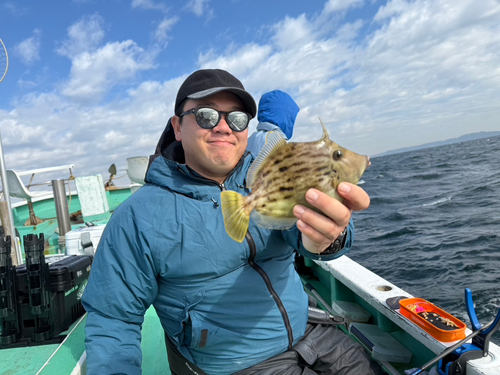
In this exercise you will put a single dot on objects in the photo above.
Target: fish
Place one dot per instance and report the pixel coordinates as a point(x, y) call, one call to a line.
point(279, 178)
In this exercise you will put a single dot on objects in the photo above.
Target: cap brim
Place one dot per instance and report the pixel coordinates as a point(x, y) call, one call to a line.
point(246, 98)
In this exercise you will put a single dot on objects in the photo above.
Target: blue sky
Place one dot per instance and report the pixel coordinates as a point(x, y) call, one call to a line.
point(93, 82)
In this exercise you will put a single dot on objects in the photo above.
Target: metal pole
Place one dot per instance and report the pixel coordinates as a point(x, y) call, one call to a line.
point(62, 210)
point(6, 194)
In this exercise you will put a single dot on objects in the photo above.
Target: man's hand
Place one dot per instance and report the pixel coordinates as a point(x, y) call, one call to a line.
point(319, 231)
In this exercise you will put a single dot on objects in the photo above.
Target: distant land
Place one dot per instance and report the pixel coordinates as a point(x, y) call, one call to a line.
point(463, 138)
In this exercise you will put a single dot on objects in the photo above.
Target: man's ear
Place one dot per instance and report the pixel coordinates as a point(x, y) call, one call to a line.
point(176, 125)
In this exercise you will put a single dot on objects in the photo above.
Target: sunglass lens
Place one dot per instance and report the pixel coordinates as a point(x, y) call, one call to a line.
point(207, 118)
point(238, 120)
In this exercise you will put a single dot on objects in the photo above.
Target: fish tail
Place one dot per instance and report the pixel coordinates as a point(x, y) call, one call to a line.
point(236, 218)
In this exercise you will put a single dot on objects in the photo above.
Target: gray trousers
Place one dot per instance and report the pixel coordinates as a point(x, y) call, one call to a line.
point(324, 350)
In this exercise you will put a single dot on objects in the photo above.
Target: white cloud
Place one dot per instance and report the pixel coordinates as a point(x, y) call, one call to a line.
point(93, 137)
point(349, 31)
point(95, 73)
point(416, 72)
point(200, 8)
point(239, 62)
point(97, 68)
point(163, 29)
point(149, 4)
point(292, 32)
point(341, 5)
point(425, 65)
point(15, 9)
point(83, 36)
point(29, 49)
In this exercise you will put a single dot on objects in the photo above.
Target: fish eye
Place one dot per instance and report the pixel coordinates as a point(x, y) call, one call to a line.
point(337, 155)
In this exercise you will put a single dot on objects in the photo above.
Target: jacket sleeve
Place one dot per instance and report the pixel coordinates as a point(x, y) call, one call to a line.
point(294, 238)
point(256, 141)
point(122, 285)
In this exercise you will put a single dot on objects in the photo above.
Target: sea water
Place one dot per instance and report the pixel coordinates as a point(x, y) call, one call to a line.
point(433, 226)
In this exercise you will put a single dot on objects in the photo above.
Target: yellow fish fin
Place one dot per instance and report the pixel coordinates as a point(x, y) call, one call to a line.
point(325, 132)
point(270, 222)
point(274, 140)
point(236, 220)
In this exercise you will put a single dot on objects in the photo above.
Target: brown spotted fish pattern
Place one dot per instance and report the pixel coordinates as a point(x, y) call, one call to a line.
point(280, 177)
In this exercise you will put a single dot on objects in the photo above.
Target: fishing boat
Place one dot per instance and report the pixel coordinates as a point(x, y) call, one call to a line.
point(372, 309)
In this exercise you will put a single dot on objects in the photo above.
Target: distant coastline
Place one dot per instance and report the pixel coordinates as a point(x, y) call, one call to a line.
point(463, 138)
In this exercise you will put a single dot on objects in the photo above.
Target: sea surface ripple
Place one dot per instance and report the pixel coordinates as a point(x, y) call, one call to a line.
point(433, 226)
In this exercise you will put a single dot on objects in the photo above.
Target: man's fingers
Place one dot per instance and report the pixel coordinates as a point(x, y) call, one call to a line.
point(317, 241)
point(356, 198)
point(319, 228)
point(329, 207)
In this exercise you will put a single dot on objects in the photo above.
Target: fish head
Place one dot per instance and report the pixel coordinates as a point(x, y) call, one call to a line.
point(348, 165)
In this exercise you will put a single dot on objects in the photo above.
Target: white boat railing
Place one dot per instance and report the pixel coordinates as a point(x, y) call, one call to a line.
point(375, 290)
point(9, 228)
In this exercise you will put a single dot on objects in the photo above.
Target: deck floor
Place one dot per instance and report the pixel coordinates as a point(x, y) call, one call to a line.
point(61, 359)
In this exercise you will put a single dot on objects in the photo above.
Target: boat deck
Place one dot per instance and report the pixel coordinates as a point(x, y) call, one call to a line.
point(345, 280)
point(69, 357)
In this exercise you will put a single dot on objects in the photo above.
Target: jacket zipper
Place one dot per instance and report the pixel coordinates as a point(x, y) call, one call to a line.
point(265, 277)
point(267, 281)
point(260, 271)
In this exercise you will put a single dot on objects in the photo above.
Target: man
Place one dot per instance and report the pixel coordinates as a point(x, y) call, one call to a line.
point(225, 306)
point(277, 112)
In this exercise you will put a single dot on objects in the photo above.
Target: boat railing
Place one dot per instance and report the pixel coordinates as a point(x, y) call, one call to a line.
point(17, 187)
point(6, 213)
point(14, 187)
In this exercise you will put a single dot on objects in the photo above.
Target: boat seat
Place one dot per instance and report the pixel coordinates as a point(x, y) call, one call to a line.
point(93, 198)
point(17, 189)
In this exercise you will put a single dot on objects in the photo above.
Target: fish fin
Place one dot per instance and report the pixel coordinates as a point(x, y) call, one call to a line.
point(236, 220)
point(273, 141)
point(270, 222)
point(325, 132)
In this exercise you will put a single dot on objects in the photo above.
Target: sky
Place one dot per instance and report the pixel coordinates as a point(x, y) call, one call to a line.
point(93, 82)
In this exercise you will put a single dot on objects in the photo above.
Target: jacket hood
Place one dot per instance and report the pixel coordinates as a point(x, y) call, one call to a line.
point(168, 147)
point(268, 127)
point(277, 107)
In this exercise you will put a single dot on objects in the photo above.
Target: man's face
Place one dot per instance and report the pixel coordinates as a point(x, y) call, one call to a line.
point(213, 153)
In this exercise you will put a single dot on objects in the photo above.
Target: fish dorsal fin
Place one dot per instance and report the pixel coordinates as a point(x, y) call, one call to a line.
point(325, 132)
point(274, 140)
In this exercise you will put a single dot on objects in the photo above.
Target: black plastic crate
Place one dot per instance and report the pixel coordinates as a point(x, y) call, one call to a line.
point(67, 279)
point(67, 272)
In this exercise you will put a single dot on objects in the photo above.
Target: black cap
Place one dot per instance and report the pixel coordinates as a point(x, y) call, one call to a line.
point(206, 82)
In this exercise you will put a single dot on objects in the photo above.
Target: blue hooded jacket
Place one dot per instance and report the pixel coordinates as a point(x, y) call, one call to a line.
point(277, 112)
point(167, 246)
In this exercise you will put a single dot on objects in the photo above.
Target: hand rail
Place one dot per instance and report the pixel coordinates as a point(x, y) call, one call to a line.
point(44, 170)
point(5, 187)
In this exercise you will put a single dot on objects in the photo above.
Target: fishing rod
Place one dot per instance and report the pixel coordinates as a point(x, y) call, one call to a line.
point(450, 350)
point(320, 316)
point(319, 298)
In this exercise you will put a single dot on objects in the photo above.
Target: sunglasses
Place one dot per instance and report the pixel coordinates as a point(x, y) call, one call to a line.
point(209, 118)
